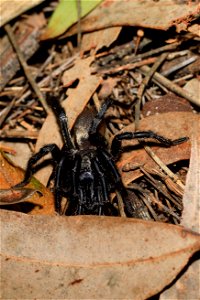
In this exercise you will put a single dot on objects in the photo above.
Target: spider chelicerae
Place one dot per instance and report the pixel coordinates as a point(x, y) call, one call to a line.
point(84, 169)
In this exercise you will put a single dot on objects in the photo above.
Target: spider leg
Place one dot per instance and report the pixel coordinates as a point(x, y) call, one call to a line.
point(116, 143)
point(70, 183)
point(50, 148)
point(98, 118)
point(102, 190)
point(57, 189)
point(81, 201)
point(62, 120)
point(107, 160)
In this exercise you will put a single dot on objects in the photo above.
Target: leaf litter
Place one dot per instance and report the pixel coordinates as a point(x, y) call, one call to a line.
point(38, 198)
point(68, 254)
point(119, 266)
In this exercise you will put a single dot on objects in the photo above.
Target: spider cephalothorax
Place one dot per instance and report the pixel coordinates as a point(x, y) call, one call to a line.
point(84, 169)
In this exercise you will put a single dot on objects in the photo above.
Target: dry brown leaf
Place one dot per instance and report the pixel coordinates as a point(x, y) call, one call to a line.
point(195, 29)
point(13, 196)
point(21, 155)
point(172, 125)
point(166, 103)
point(12, 9)
point(90, 257)
point(193, 87)
point(191, 198)
point(98, 39)
point(73, 105)
point(27, 34)
point(187, 287)
point(147, 13)
point(10, 175)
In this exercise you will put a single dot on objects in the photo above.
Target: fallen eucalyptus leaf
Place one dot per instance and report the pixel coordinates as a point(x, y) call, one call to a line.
point(41, 202)
point(187, 287)
point(13, 196)
point(14, 8)
point(90, 257)
point(161, 15)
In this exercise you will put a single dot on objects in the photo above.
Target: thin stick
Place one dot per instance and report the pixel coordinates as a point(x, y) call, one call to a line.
point(19, 134)
point(163, 166)
point(25, 67)
point(144, 83)
point(69, 63)
point(120, 204)
point(171, 86)
point(128, 66)
point(148, 76)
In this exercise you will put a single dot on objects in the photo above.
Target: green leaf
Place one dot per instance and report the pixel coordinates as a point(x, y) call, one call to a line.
point(66, 14)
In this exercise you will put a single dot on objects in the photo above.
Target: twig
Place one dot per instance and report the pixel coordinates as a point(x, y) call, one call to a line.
point(128, 66)
point(150, 53)
point(147, 202)
point(8, 108)
point(6, 111)
point(120, 204)
point(163, 166)
point(144, 83)
point(56, 72)
point(25, 134)
point(171, 86)
point(164, 208)
point(148, 76)
point(159, 186)
point(179, 66)
point(26, 68)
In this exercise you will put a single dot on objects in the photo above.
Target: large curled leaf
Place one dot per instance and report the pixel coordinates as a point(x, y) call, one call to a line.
point(10, 175)
point(90, 257)
point(66, 14)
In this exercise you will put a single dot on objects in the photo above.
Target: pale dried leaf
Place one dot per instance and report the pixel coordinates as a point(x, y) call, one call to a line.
point(195, 29)
point(22, 153)
point(10, 175)
point(13, 196)
point(90, 257)
point(191, 198)
point(98, 39)
point(14, 8)
point(188, 286)
point(193, 87)
point(147, 13)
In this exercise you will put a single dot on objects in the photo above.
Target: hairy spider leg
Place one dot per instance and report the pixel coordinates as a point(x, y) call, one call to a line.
point(116, 143)
point(69, 181)
point(108, 160)
point(57, 190)
point(50, 148)
point(98, 118)
point(63, 122)
point(102, 188)
point(81, 201)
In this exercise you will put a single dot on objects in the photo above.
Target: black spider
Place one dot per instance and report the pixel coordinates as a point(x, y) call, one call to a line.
point(85, 170)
